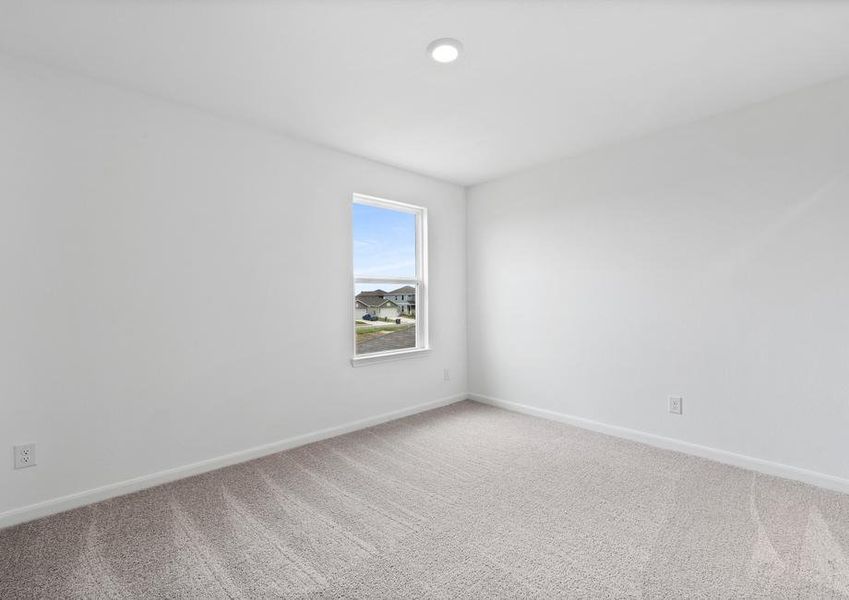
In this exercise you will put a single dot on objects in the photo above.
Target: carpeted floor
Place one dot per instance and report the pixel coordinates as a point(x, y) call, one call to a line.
point(467, 501)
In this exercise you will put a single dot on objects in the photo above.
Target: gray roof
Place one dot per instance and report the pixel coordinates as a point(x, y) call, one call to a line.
point(407, 289)
point(373, 301)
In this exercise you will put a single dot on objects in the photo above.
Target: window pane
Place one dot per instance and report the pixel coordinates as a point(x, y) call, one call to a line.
point(384, 242)
point(384, 317)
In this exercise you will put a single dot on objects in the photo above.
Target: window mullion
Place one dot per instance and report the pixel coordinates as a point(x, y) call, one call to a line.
point(386, 280)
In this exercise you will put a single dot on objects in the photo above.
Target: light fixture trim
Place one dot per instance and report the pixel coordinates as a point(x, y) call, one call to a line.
point(444, 50)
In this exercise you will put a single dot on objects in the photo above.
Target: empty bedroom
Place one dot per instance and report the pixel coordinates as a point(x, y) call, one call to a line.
point(424, 299)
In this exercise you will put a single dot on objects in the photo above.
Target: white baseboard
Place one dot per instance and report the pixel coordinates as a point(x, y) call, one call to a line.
point(822, 480)
point(63, 503)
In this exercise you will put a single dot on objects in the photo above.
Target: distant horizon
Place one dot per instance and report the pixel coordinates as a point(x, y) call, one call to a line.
point(371, 287)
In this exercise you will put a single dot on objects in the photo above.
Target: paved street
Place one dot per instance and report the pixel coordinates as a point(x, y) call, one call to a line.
point(397, 340)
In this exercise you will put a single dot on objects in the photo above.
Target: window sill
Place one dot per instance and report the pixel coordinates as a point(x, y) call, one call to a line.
point(381, 357)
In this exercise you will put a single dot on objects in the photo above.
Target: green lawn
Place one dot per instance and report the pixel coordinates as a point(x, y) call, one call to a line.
point(370, 331)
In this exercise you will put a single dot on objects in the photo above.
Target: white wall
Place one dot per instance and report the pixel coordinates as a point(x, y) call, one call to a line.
point(150, 260)
point(710, 260)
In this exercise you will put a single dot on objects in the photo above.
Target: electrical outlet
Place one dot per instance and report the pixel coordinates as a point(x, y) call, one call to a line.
point(676, 405)
point(24, 456)
point(446, 375)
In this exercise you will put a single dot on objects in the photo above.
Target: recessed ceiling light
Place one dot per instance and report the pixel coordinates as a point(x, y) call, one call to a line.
point(445, 50)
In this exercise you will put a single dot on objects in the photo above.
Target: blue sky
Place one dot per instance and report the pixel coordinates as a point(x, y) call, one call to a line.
point(384, 243)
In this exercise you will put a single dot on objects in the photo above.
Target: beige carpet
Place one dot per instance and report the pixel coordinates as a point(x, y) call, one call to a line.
point(462, 502)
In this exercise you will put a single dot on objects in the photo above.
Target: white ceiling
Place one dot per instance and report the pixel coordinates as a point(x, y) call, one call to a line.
point(537, 80)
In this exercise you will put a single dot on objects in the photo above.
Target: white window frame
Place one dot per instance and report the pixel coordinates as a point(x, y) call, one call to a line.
point(419, 282)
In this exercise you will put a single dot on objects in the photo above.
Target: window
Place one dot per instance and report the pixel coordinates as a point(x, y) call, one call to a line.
point(390, 274)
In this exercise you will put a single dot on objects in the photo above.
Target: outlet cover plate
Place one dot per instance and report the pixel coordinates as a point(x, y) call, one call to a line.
point(676, 405)
point(24, 456)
